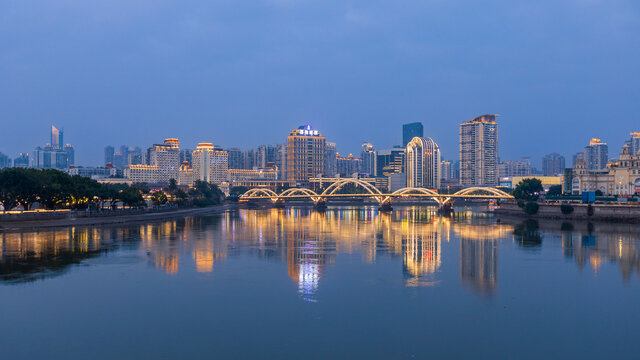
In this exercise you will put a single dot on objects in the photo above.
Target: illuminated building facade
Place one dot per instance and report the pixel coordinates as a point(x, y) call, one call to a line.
point(305, 154)
point(236, 175)
point(166, 158)
point(210, 165)
point(185, 174)
point(142, 173)
point(390, 161)
point(479, 151)
point(423, 163)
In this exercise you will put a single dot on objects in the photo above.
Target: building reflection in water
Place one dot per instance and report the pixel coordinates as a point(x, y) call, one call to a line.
point(604, 246)
point(479, 251)
point(309, 242)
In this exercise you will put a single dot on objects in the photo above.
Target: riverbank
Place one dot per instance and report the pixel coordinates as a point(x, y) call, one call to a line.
point(593, 212)
point(79, 219)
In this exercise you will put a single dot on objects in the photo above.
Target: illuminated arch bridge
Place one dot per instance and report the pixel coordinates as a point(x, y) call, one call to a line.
point(372, 192)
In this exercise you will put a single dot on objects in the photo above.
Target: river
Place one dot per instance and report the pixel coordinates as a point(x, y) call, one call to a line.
point(298, 284)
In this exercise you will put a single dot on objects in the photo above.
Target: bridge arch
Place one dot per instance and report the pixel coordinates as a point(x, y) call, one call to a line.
point(411, 190)
point(479, 192)
point(259, 192)
point(333, 188)
point(300, 191)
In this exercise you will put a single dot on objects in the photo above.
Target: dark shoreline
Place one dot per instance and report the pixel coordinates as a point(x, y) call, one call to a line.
point(115, 219)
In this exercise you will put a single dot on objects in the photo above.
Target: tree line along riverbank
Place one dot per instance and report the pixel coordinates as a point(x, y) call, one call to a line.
point(23, 189)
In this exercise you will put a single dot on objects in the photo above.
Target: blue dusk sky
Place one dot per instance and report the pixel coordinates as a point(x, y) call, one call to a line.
point(244, 73)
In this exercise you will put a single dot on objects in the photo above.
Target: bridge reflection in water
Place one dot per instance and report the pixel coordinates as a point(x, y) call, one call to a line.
point(309, 241)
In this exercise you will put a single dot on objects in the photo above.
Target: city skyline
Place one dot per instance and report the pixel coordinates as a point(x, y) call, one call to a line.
point(153, 71)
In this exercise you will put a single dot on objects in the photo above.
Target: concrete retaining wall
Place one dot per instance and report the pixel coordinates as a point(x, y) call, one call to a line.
point(601, 212)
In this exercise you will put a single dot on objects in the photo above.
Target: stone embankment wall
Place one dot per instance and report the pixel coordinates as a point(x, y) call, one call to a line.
point(601, 212)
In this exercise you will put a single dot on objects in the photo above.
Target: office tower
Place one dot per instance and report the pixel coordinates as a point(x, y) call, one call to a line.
point(305, 154)
point(210, 165)
point(479, 151)
point(236, 158)
point(53, 156)
point(57, 139)
point(511, 168)
point(409, 131)
point(166, 157)
point(348, 165)
point(70, 155)
point(251, 159)
point(330, 159)
point(634, 143)
point(422, 158)
point(369, 159)
point(596, 155)
point(553, 164)
point(390, 161)
point(134, 156)
point(21, 161)
point(5, 161)
point(108, 155)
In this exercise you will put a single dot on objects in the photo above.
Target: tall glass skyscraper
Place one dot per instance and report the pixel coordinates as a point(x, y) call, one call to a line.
point(409, 131)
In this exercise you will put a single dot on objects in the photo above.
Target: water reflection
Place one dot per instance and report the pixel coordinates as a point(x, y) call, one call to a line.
point(309, 242)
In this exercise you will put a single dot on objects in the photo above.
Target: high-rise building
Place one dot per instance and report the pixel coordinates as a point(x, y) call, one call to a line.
point(596, 155)
point(185, 174)
point(57, 138)
point(390, 161)
point(409, 131)
point(511, 168)
point(108, 155)
point(348, 165)
point(446, 170)
point(330, 159)
point(479, 151)
point(634, 143)
point(54, 155)
point(422, 167)
point(210, 165)
point(553, 164)
point(5, 161)
point(236, 158)
point(70, 155)
point(166, 157)
point(369, 160)
point(21, 161)
point(305, 154)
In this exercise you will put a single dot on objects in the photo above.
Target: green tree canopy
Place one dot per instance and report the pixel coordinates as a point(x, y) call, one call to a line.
point(528, 189)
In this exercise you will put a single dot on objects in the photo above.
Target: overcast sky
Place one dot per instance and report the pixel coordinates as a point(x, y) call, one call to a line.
point(244, 73)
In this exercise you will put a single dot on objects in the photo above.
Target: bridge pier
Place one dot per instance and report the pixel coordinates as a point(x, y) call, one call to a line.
point(446, 208)
point(279, 204)
point(385, 207)
point(320, 205)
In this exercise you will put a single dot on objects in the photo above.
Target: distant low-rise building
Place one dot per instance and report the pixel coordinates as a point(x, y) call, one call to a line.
point(91, 172)
point(142, 173)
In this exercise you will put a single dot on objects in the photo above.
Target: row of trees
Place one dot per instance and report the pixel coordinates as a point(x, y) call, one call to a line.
point(54, 189)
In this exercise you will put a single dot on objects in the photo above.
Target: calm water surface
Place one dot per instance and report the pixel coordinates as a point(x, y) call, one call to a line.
point(297, 284)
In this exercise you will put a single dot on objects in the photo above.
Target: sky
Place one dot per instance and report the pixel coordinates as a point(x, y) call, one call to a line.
point(245, 72)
